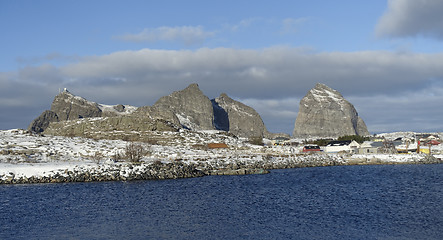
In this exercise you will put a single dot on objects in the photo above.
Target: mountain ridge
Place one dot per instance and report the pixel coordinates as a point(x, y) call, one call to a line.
point(189, 108)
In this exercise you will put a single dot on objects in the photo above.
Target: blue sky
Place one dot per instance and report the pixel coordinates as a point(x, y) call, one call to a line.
point(385, 57)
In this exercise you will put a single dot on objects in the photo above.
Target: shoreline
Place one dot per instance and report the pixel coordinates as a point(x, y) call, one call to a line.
point(32, 158)
point(126, 171)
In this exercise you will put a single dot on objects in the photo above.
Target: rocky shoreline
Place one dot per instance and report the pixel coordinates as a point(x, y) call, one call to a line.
point(124, 171)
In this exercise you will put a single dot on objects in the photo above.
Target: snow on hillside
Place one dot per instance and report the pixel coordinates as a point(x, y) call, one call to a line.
point(395, 135)
point(26, 154)
point(128, 109)
point(23, 154)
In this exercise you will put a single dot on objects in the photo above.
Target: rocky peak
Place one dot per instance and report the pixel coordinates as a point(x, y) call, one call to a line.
point(65, 106)
point(193, 87)
point(68, 107)
point(321, 92)
point(237, 118)
point(191, 106)
point(324, 112)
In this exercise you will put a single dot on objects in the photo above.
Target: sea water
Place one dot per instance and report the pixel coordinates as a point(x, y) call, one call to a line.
point(343, 202)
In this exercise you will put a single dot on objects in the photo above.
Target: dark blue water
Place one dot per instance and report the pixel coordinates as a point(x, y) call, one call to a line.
point(348, 202)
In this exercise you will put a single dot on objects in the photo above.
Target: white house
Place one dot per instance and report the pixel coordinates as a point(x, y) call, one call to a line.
point(342, 146)
point(369, 147)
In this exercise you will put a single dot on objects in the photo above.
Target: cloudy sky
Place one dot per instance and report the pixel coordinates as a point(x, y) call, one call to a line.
point(385, 57)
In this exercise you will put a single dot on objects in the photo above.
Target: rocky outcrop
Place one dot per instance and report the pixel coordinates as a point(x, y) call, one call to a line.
point(120, 127)
point(188, 108)
point(69, 107)
point(237, 118)
point(127, 126)
point(113, 172)
point(323, 112)
point(156, 114)
point(42, 122)
point(191, 106)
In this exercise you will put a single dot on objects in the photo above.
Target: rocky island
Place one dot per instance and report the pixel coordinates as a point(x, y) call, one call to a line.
point(184, 134)
point(324, 112)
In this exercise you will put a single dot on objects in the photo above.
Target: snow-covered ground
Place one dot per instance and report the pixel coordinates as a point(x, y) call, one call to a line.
point(23, 154)
point(412, 135)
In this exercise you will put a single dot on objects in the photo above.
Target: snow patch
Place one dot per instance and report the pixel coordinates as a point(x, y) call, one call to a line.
point(112, 108)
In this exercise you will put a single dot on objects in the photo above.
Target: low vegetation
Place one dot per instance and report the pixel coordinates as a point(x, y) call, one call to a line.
point(326, 141)
point(97, 157)
point(134, 152)
point(357, 138)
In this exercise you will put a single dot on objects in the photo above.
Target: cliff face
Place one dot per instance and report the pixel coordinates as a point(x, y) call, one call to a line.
point(118, 127)
point(191, 106)
point(237, 118)
point(42, 122)
point(324, 112)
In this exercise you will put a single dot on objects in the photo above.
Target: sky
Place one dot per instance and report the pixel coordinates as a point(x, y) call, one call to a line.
point(385, 57)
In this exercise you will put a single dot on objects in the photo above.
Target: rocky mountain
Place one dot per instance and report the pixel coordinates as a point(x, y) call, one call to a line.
point(191, 106)
point(324, 112)
point(67, 106)
point(237, 118)
point(72, 115)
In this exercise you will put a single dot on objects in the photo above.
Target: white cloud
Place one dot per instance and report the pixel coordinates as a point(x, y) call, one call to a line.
point(54, 56)
point(244, 23)
point(291, 25)
point(413, 110)
point(271, 80)
point(278, 114)
point(410, 18)
point(188, 35)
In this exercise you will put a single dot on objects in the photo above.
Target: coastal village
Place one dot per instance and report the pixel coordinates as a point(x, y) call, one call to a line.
point(78, 140)
point(400, 143)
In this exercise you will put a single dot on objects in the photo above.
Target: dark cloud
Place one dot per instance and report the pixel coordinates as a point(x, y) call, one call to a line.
point(411, 111)
point(410, 18)
point(271, 80)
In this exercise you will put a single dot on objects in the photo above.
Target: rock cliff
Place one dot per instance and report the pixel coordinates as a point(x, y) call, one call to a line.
point(237, 118)
point(324, 112)
point(65, 106)
point(42, 122)
point(119, 127)
point(69, 107)
point(191, 106)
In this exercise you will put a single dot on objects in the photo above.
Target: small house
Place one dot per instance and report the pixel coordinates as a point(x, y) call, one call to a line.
point(280, 141)
point(354, 146)
point(338, 146)
point(311, 148)
point(369, 147)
